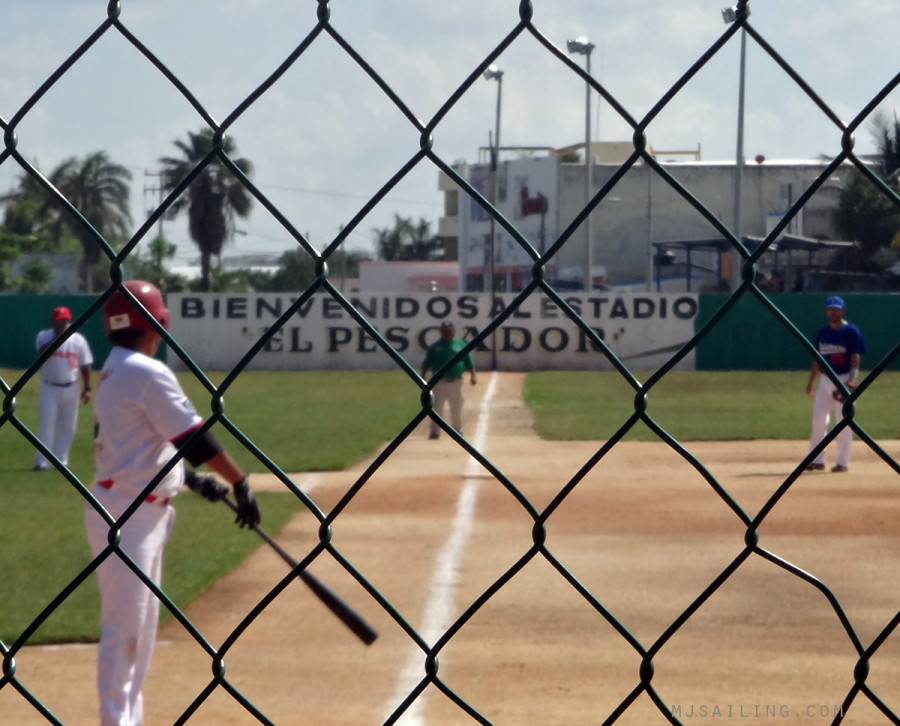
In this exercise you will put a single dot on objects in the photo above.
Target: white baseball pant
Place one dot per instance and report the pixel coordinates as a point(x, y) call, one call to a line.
point(824, 406)
point(58, 420)
point(129, 611)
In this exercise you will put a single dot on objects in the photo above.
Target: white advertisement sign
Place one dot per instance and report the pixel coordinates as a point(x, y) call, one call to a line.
point(642, 330)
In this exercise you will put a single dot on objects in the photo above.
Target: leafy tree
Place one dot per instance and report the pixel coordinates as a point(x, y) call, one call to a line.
point(886, 133)
point(23, 213)
point(297, 270)
point(36, 275)
point(864, 212)
point(36, 278)
point(408, 240)
point(212, 200)
point(26, 222)
point(10, 249)
point(153, 266)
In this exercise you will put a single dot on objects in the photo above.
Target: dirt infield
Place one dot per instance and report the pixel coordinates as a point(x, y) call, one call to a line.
point(644, 533)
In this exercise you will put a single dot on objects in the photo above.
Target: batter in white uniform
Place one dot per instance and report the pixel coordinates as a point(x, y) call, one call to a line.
point(142, 417)
point(59, 387)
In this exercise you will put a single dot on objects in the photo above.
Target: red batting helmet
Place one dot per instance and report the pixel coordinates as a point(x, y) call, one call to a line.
point(119, 313)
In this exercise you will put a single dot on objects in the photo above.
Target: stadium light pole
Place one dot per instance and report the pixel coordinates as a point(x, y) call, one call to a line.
point(730, 15)
point(581, 46)
point(492, 73)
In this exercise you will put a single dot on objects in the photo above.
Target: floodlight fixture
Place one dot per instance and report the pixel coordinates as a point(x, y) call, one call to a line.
point(492, 73)
point(581, 46)
point(730, 14)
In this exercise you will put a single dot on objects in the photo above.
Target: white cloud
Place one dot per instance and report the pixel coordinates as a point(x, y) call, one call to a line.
point(325, 137)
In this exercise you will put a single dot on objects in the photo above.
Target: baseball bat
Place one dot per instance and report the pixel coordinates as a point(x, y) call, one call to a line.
point(334, 602)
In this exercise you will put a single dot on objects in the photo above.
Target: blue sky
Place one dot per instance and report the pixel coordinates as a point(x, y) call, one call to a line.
point(325, 138)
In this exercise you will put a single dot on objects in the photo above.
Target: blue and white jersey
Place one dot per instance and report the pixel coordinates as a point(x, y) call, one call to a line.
point(837, 345)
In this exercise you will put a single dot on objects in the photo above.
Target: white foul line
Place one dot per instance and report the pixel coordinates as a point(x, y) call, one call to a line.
point(310, 481)
point(439, 605)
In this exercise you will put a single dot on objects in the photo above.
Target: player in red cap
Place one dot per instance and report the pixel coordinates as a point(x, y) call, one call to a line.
point(141, 419)
point(60, 392)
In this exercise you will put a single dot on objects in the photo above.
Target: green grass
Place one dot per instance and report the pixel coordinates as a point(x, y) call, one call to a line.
point(694, 405)
point(313, 420)
point(44, 549)
point(306, 421)
point(303, 421)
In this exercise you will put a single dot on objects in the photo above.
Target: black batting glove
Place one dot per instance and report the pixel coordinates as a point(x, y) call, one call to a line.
point(205, 485)
point(247, 508)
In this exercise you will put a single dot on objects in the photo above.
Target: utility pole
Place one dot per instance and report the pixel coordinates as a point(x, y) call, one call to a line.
point(159, 190)
point(157, 252)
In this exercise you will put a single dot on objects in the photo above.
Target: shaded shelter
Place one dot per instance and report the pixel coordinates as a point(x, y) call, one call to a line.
point(781, 250)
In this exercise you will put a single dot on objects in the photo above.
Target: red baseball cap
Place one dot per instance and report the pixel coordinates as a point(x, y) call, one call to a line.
point(60, 314)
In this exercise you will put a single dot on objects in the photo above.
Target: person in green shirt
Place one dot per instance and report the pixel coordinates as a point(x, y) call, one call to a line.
point(449, 388)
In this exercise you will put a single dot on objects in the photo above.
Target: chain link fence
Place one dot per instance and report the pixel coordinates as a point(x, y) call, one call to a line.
point(521, 24)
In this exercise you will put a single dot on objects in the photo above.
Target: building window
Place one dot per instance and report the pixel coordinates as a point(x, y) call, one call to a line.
point(451, 203)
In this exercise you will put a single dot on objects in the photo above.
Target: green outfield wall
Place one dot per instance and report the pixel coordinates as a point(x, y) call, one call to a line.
point(24, 316)
point(748, 337)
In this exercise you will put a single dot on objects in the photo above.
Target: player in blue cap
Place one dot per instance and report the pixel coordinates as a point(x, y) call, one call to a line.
point(841, 345)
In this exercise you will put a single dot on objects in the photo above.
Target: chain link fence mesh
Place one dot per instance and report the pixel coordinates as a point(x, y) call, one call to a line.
point(521, 23)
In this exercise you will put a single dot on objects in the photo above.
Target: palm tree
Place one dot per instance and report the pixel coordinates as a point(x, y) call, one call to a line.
point(407, 240)
point(424, 245)
point(389, 241)
point(99, 190)
point(213, 198)
point(95, 186)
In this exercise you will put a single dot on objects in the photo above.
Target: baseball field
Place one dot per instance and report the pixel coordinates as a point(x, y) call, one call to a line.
point(639, 595)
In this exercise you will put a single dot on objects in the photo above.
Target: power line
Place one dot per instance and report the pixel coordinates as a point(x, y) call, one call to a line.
point(349, 195)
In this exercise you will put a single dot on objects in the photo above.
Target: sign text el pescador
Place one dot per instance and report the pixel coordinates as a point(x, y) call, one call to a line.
point(216, 329)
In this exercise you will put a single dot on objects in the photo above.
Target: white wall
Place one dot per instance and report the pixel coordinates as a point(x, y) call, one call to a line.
point(217, 330)
point(413, 276)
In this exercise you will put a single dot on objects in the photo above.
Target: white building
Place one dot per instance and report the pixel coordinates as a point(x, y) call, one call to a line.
point(642, 212)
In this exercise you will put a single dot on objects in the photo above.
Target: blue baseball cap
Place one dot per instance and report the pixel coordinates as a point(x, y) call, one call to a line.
point(834, 301)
